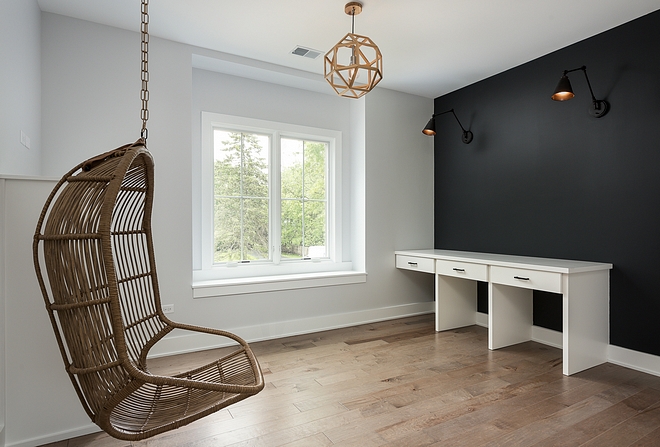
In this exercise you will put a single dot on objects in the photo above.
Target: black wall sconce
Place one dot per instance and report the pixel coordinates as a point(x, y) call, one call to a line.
point(429, 129)
point(564, 92)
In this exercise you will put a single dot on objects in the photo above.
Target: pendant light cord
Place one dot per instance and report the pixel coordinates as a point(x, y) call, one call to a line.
point(353, 59)
point(353, 20)
point(144, 92)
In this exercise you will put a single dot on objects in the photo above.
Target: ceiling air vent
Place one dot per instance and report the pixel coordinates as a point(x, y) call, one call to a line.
point(306, 52)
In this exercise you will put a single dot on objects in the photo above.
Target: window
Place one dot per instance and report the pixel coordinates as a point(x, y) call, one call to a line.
point(242, 195)
point(241, 199)
point(304, 199)
point(270, 197)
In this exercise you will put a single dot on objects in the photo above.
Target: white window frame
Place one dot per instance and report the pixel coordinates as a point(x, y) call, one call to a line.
point(231, 278)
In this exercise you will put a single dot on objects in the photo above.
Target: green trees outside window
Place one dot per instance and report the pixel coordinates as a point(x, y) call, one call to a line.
point(242, 197)
point(304, 198)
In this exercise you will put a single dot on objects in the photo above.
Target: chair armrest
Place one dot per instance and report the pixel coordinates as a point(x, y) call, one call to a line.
point(177, 380)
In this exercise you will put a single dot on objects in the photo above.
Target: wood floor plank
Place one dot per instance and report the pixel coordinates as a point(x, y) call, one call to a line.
point(317, 440)
point(599, 423)
point(650, 440)
point(629, 431)
point(423, 414)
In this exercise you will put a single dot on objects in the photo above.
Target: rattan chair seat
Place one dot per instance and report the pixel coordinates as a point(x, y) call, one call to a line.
point(100, 287)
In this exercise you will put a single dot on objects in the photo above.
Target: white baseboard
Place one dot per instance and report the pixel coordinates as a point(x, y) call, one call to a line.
point(189, 343)
point(636, 360)
point(55, 437)
point(539, 334)
point(482, 319)
point(628, 358)
point(548, 337)
point(197, 342)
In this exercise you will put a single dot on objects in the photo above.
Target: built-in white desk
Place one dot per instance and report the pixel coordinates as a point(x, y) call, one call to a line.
point(585, 287)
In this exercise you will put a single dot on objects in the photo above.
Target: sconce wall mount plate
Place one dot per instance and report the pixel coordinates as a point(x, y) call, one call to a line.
point(599, 108)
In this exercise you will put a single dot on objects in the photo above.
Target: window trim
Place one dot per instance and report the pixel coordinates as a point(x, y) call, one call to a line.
point(233, 274)
point(256, 284)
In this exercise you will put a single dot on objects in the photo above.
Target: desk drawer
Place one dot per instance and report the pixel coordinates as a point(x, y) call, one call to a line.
point(415, 263)
point(467, 270)
point(528, 279)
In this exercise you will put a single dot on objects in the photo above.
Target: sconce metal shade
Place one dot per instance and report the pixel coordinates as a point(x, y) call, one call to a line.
point(564, 90)
point(429, 129)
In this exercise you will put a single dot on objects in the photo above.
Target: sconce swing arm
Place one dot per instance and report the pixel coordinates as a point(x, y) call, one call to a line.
point(430, 127)
point(584, 70)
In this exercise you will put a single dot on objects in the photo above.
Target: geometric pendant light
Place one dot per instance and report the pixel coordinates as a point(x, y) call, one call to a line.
point(354, 65)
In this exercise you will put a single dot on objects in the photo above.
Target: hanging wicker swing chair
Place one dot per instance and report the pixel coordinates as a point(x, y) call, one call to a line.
point(94, 241)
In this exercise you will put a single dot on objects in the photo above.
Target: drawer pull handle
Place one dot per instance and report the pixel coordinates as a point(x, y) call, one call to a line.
point(459, 270)
point(521, 278)
point(412, 264)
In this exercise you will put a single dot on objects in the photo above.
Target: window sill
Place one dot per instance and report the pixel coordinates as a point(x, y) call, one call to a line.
point(237, 286)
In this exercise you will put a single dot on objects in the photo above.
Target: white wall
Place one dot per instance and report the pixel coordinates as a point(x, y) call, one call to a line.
point(91, 89)
point(91, 104)
point(399, 166)
point(40, 398)
point(20, 86)
point(20, 110)
point(3, 252)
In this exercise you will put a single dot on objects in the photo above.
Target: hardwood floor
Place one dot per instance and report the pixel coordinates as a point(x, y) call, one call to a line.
point(399, 383)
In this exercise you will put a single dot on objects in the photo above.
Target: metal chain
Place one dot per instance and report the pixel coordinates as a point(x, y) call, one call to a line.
point(144, 93)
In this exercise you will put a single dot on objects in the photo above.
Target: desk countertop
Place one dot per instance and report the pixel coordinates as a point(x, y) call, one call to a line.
point(526, 262)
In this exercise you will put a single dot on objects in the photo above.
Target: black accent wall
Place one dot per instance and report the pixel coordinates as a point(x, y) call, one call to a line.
point(544, 178)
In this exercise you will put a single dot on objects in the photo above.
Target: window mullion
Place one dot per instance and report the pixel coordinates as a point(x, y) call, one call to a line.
point(302, 202)
point(207, 195)
point(242, 197)
point(276, 199)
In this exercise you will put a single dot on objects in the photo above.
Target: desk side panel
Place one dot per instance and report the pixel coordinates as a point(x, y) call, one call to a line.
point(509, 315)
point(586, 320)
point(455, 302)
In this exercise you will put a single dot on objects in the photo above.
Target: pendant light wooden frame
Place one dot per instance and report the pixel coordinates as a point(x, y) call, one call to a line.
point(365, 69)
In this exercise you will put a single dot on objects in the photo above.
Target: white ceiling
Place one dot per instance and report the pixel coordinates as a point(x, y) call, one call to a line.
point(430, 47)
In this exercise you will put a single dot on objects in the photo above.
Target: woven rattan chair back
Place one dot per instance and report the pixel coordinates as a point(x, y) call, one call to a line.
point(100, 287)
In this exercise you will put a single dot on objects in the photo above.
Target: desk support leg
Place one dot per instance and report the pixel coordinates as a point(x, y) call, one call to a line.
point(455, 302)
point(509, 315)
point(585, 320)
